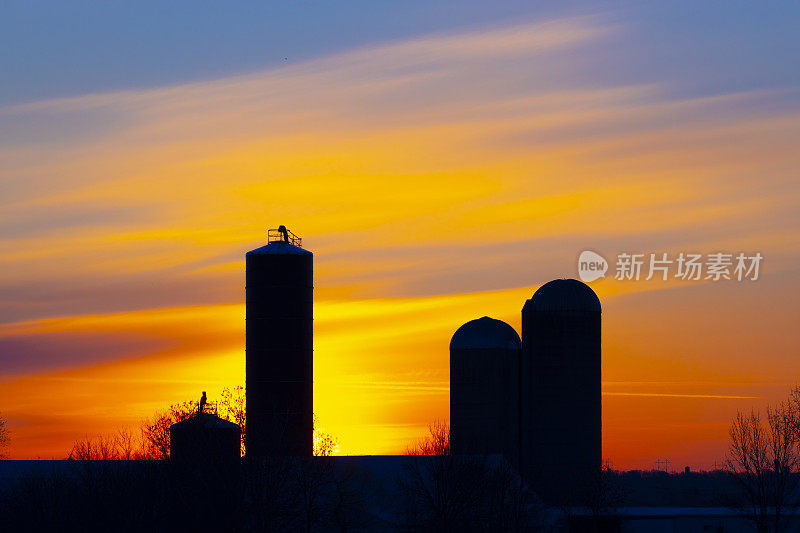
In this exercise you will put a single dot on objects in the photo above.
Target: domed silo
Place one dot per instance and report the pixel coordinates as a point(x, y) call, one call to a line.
point(280, 300)
point(484, 389)
point(561, 405)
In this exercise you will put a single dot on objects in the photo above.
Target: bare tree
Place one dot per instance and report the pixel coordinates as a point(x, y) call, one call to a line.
point(155, 431)
point(232, 406)
point(324, 443)
point(100, 448)
point(763, 459)
point(155, 436)
point(436, 442)
point(128, 446)
point(120, 446)
point(5, 438)
point(272, 493)
point(154, 441)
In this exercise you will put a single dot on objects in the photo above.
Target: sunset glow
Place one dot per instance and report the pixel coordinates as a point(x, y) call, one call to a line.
point(437, 178)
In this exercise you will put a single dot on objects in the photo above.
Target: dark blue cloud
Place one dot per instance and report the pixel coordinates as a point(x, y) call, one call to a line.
point(66, 48)
point(55, 351)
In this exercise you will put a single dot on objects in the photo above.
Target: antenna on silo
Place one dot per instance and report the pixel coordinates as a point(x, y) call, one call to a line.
point(283, 235)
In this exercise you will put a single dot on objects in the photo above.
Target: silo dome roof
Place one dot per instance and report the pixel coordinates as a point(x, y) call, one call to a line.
point(204, 420)
point(564, 295)
point(485, 333)
point(279, 248)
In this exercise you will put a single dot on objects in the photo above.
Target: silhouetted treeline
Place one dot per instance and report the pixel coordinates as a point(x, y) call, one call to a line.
point(419, 493)
point(434, 492)
point(109, 485)
point(152, 440)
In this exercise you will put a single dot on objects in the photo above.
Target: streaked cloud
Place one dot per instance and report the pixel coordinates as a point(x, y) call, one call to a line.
point(669, 395)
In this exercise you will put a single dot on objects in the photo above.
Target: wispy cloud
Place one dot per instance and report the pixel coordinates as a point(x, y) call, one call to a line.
point(667, 395)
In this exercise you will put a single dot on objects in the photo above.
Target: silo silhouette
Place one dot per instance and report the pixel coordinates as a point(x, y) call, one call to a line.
point(205, 441)
point(204, 461)
point(484, 389)
point(279, 347)
point(561, 422)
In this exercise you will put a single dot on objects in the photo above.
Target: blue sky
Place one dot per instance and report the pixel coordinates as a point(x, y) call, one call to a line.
point(52, 49)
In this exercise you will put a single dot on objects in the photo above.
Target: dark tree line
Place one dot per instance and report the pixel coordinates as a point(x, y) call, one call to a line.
point(123, 482)
point(100, 490)
point(152, 440)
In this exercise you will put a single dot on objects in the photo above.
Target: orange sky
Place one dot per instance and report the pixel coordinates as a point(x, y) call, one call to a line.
point(437, 180)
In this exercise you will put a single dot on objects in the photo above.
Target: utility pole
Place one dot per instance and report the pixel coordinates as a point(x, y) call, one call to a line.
point(662, 462)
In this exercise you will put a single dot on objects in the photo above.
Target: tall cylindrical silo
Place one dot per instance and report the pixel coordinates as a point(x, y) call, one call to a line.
point(280, 279)
point(484, 389)
point(561, 405)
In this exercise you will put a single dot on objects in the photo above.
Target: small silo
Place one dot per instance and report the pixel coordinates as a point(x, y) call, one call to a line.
point(484, 385)
point(205, 452)
point(279, 343)
point(561, 422)
point(205, 439)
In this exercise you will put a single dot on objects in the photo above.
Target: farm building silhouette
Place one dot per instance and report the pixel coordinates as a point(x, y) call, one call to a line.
point(525, 423)
point(535, 401)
